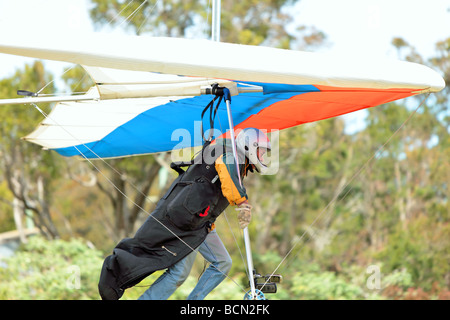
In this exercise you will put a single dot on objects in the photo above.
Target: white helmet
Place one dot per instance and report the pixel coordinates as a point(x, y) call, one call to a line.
point(255, 145)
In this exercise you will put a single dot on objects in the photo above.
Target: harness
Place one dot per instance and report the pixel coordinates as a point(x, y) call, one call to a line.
point(195, 198)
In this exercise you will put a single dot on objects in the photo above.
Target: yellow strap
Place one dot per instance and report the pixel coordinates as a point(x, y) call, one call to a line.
point(229, 189)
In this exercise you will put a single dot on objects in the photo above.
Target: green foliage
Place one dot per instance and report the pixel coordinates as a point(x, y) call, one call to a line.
point(246, 22)
point(324, 286)
point(400, 278)
point(29, 173)
point(56, 269)
point(171, 18)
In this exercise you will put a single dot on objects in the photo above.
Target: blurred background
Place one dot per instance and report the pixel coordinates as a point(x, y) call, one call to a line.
point(341, 219)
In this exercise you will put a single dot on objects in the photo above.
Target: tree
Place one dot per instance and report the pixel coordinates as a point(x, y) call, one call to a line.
point(126, 183)
point(394, 212)
point(245, 22)
point(28, 172)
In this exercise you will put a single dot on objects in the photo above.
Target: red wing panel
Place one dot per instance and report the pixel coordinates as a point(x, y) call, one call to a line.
point(313, 106)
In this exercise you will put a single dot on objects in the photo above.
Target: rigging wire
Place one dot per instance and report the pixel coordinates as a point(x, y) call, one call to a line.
point(322, 215)
point(133, 13)
point(208, 11)
point(118, 14)
point(148, 16)
point(107, 25)
point(237, 244)
point(67, 70)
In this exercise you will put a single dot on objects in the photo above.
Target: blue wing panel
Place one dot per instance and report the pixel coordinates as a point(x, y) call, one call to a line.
point(176, 125)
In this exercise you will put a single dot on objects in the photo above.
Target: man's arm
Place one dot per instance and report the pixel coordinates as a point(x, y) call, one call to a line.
point(232, 189)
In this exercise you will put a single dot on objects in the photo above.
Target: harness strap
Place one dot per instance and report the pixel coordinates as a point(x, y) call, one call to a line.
point(218, 92)
point(177, 165)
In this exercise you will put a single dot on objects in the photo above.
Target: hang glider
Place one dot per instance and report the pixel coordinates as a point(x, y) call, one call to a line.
point(149, 88)
point(149, 93)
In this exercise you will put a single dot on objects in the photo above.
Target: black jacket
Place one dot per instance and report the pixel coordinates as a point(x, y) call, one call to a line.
point(177, 226)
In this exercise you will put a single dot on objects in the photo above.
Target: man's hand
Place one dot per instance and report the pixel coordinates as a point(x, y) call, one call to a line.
point(244, 214)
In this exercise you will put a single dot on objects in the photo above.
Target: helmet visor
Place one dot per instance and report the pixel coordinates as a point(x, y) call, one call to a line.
point(264, 156)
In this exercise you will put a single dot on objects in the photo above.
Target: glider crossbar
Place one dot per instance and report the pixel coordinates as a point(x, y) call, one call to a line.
point(32, 100)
